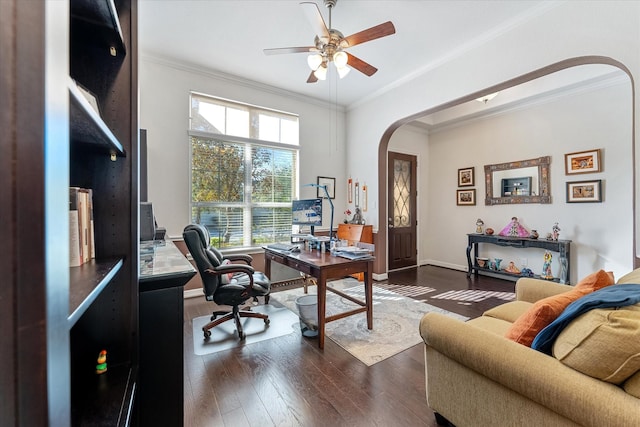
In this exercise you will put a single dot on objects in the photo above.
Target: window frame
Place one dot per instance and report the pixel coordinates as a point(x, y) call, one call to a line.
point(247, 204)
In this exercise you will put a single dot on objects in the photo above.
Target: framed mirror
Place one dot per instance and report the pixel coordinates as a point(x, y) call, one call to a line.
point(523, 181)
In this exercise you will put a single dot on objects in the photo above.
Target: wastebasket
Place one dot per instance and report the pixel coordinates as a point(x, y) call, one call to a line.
point(307, 306)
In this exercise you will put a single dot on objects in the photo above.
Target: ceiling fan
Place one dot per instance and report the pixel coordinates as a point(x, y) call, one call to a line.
point(330, 44)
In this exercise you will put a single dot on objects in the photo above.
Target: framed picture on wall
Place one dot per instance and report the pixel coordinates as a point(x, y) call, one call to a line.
point(465, 177)
point(331, 187)
point(466, 197)
point(584, 191)
point(582, 162)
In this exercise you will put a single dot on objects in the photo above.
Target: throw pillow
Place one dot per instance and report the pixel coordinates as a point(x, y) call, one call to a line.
point(226, 278)
point(603, 343)
point(545, 311)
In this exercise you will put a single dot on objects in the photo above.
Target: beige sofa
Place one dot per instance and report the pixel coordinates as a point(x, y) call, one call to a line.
point(476, 377)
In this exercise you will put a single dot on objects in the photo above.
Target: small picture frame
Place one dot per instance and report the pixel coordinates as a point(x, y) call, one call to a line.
point(466, 197)
point(466, 177)
point(582, 162)
point(584, 191)
point(331, 187)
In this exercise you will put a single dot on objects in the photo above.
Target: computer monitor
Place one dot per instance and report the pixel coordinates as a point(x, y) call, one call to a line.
point(307, 212)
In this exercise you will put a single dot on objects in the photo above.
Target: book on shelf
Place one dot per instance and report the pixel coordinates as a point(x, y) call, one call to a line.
point(81, 234)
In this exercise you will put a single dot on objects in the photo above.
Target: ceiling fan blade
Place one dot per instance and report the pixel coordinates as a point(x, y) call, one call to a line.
point(281, 50)
point(316, 20)
point(382, 30)
point(360, 65)
point(312, 78)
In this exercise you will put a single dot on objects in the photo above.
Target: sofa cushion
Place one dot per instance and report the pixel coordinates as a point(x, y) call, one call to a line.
point(545, 311)
point(509, 311)
point(632, 385)
point(633, 277)
point(603, 343)
point(491, 324)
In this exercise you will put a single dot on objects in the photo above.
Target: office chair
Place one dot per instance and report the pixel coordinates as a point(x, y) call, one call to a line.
point(225, 281)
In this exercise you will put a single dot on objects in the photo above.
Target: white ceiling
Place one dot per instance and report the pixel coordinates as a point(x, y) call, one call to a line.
point(228, 36)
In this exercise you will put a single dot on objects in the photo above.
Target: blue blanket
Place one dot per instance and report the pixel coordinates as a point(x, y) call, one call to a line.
point(608, 297)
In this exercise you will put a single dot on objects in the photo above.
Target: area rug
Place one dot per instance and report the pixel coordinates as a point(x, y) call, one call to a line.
point(225, 336)
point(395, 320)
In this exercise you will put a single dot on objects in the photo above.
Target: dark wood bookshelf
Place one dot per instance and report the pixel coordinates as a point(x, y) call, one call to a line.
point(55, 137)
point(87, 282)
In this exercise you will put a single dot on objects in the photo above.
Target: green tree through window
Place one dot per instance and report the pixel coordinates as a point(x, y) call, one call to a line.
point(241, 188)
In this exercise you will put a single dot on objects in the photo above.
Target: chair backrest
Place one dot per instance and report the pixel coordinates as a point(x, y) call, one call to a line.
point(197, 239)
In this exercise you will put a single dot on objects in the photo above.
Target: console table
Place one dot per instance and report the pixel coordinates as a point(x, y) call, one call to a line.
point(563, 247)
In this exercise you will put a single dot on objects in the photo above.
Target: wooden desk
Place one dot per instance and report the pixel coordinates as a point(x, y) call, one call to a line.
point(324, 266)
point(164, 270)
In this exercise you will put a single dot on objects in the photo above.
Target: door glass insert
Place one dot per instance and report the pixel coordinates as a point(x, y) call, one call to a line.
point(401, 193)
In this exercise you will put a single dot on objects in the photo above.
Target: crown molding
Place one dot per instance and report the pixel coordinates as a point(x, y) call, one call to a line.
point(236, 80)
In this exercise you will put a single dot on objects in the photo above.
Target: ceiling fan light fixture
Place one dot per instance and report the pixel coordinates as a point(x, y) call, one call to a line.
point(340, 59)
point(314, 60)
point(343, 71)
point(321, 73)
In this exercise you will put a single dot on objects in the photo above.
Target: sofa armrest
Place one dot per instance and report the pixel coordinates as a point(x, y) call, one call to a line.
point(532, 290)
point(532, 374)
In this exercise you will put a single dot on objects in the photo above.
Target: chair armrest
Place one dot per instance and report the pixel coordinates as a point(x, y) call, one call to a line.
point(235, 268)
point(534, 375)
point(532, 290)
point(240, 257)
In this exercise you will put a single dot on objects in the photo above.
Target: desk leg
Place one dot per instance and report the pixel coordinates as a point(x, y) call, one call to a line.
point(322, 302)
point(368, 291)
point(267, 267)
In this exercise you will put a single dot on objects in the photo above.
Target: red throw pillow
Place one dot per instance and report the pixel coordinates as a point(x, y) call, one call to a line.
point(545, 311)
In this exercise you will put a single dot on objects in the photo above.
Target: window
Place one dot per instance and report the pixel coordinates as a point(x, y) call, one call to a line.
point(244, 171)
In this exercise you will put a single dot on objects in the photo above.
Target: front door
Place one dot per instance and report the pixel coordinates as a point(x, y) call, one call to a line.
point(402, 219)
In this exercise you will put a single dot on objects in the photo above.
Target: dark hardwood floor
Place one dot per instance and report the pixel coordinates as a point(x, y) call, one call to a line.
point(288, 381)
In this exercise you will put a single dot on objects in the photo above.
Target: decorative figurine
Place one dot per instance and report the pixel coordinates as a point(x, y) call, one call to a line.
point(357, 217)
point(488, 231)
point(101, 367)
point(514, 229)
point(546, 267)
point(511, 268)
point(479, 224)
point(549, 236)
point(556, 231)
point(526, 272)
point(498, 261)
point(534, 234)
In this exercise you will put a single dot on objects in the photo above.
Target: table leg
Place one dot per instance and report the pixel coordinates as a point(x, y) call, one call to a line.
point(368, 291)
point(322, 302)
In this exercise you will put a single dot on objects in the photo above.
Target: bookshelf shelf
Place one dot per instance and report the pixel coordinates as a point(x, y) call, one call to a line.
point(87, 282)
point(102, 17)
point(87, 126)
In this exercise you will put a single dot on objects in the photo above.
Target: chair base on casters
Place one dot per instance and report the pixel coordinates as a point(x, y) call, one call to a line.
point(236, 314)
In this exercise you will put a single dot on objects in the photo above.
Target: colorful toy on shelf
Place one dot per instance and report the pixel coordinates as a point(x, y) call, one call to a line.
point(514, 229)
point(546, 267)
point(556, 231)
point(101, 367)
point(479, 225)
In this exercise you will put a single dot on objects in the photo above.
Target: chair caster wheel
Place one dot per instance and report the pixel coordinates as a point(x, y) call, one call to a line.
point(207, 335)
point(213, 317)
point(267, 321)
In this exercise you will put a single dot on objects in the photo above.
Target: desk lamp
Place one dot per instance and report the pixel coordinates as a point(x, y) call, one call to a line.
point(324, 187)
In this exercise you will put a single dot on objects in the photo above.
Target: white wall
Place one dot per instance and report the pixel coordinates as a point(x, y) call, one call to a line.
point(566, 30)
point(601, 232)
point(164, 112)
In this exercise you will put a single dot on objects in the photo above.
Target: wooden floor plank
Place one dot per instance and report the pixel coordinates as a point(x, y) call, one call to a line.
point(289, 381)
